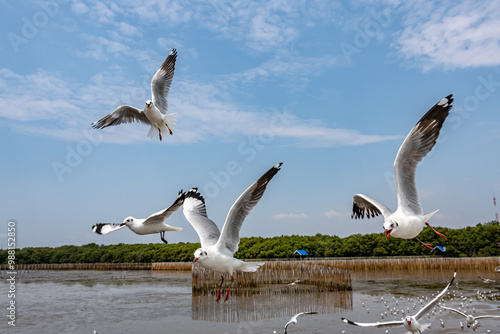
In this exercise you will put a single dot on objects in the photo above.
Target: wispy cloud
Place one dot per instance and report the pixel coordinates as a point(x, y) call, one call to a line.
point(260, 25)
point(332, 214)
point(101, 48)
point(287, 68)
point(281, 216)
point(457, 35)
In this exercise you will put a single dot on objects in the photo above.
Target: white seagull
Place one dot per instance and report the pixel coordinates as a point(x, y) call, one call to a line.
point(487, 280)
point(155, 111)
point(409, 322)
point(470, 319)
point(153, 224)
point(409, 219)
point(218, 247)
point(293, 320)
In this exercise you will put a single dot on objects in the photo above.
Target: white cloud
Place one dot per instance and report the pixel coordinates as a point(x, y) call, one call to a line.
point(260, 25)
point(128, 29)
point(79, 7)
point(285, 65)
point(34, 97)
point(281, 216)
point(331, 214)
point(100, 48)
point(103, 12)
point(461, 35)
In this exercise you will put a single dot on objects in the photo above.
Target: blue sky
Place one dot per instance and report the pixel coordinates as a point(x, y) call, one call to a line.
point(329, 88)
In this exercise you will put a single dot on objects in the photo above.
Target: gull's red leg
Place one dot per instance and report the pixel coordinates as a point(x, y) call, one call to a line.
point(227, 292)
point(169, 129)
point(438, 233)
point(220, 286)
point(429, 247)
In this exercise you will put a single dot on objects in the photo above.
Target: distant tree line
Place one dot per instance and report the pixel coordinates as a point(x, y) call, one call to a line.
point(481, 240)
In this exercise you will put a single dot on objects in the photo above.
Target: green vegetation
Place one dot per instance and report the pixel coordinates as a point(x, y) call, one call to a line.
point(481, 240)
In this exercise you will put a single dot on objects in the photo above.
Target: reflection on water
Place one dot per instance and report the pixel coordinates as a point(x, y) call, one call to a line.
point(266, 306)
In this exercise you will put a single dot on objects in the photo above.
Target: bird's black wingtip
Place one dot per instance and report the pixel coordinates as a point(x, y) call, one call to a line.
point(193, 193)
point(446, 102)
point(97, 228)
point(181, 195)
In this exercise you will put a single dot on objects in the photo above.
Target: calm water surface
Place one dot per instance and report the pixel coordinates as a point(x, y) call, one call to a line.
point(161, 302)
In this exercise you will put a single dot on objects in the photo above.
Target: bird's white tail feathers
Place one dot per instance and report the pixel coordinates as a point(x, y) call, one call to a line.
point(173, 228)
point(424, 327)
point(429, 215)
point(170, 123)
point(251, 266)
point(171, 120)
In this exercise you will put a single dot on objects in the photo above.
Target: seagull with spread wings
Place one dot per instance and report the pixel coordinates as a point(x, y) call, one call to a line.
point(155, 110)
point(470, 319)
point(153, 224)
point(408, 220)
point(218, 247)
point(293, 320)
point(411, 323)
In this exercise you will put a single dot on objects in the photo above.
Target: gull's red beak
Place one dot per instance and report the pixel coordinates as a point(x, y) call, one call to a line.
point(122, 224)
point(196, 259)
point(387, 233)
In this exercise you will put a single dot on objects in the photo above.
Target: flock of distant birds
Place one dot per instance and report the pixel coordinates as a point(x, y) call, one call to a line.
point(218, 246)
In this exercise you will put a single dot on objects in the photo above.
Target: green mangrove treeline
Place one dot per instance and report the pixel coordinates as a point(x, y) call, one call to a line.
point(481, 240)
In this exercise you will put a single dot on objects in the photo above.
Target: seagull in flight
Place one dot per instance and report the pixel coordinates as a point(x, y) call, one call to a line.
point(411, 323)
point(470, 319)
point(153, 224)
point(155, 110)
point(487, 280)
point(293, 320)
point(218, 247)
point(409, 219)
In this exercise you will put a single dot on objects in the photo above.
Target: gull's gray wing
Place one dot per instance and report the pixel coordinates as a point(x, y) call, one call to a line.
point(160, 216)
point(427, 308)
point(453, 310)
point(121, 115)
point(160, 84)
point(105, 228)
point(364, 205)
point(415, 147)
point(394, 323)
point(486, 316)
point(196, 214)
point(230, 234)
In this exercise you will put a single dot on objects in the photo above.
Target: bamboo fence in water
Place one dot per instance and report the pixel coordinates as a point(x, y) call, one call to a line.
point(410, 264)
point(275, 278)
point(80, 266)
point(354, 264)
